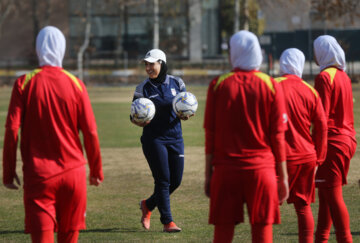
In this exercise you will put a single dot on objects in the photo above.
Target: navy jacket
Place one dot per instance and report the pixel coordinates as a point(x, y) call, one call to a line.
point(165, 126)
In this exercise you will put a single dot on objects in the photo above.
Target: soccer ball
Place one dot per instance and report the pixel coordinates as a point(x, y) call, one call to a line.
point(185, 104)
point(142, 110)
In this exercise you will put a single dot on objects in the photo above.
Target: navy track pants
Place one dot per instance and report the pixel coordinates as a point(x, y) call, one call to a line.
point(166, 162)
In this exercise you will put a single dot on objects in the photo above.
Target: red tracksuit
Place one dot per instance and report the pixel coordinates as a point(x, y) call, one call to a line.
point(303, 107)
point(244, 110)
point(334, 87)
point(50, 106)
point(304, 150)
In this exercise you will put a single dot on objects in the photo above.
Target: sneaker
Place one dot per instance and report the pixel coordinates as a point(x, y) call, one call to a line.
point(146, 214)
point(171, 228)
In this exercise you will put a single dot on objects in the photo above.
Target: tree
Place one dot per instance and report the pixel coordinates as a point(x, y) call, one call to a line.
point(166, 27)
point(236, 16)
point(333, 9)
point(48, 11)
point(239, 15)
point(84, 46)
point(244, 15)
point(156, 25)
point(41, 12)
point(122, 10)
point(194, 30)
point(6, 8)
point(35, 18)
point(166, 9)
point(257, 22)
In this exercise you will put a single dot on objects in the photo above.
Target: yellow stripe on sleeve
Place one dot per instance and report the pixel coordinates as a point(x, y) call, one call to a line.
point(331, 71)
point(222, 78)
point(29, 76)
point(266, 78)
point(280, 79)
point(73, 78)
point(311, 88)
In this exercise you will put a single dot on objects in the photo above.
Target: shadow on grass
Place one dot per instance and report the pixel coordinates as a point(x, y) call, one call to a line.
point(114, 230)
point(331, 233)
point(289, 234)
point(5, 232)
point(109, 230)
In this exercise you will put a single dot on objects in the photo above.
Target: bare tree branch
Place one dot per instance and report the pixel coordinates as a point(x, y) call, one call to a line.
point(237, 16)
point(156, 25)
point(6, 7)
point(80, 55)
point(334, 9)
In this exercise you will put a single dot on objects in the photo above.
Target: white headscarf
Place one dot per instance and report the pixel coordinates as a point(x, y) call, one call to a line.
point(245, 51)
point(50, 46)
point(292, 61)
point(328, 52)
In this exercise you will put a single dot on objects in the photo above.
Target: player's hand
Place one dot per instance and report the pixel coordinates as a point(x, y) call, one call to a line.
point(207, 184)
point(140, 124)
point(94, 181)
point(283, 190)
point(208, 173)
point(316, 168)
point(185, 118)
point(207, 187)
point(13, 186)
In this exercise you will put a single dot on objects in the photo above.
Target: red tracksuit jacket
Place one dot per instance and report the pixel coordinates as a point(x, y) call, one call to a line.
point(50, 106)
point(334, 87)
point(304, 109)
point(245, 120)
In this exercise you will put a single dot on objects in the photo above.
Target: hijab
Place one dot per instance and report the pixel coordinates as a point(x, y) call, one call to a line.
point(50, 46)
point(292, 61)
point(162, 74)
point(328, 52)
point(245, 51)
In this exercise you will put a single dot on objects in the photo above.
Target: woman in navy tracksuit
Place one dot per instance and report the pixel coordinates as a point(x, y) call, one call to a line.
point(162, 140)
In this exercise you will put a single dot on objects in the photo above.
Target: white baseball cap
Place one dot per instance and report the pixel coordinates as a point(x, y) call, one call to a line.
point(155, 55)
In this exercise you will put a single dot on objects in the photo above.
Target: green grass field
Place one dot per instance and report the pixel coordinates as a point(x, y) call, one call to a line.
point(113, 213)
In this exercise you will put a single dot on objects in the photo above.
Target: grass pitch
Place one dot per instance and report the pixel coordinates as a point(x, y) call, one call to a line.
point(113, 213)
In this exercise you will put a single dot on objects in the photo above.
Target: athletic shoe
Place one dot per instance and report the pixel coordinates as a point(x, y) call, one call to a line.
point(146, 214)
point(171, 228)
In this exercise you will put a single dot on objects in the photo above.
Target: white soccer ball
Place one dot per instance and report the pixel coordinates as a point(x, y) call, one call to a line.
point(142, 110)
point(185, 104)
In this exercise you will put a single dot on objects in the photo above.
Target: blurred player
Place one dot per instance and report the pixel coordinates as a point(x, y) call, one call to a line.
point(161, 140)
point(50, 106)
point(304, 150)
point(334, 87)
point(245, 122)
